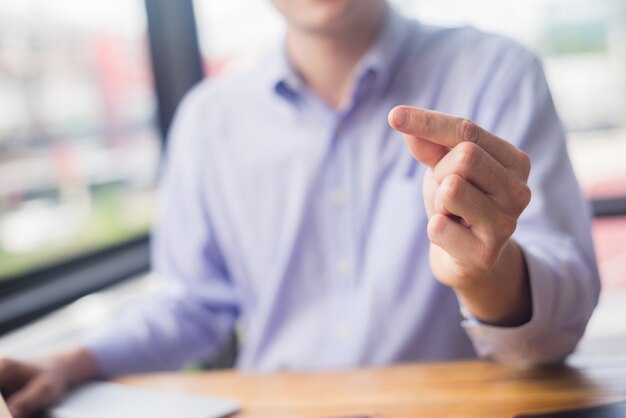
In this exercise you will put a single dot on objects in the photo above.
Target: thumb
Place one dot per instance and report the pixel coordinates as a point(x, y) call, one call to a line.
point(424, 151)
point(37, 395)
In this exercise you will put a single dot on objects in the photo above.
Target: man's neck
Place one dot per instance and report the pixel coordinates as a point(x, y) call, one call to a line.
point(327, 62)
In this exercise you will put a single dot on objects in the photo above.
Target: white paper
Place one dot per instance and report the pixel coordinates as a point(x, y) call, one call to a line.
point(4, 410)
point(107, 400)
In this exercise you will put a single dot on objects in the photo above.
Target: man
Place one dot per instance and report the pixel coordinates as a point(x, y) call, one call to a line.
point(291, 206)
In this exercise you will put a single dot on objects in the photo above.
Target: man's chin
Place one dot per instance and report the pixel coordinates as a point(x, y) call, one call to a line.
point(328, 17)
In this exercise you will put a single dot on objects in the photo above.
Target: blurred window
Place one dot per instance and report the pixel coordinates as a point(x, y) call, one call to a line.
point(79, 147)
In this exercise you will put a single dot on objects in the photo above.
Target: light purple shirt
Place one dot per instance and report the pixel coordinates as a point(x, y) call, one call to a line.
point(306, 226)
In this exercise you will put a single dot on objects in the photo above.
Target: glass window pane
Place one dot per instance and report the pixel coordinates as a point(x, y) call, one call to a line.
point(78, 143)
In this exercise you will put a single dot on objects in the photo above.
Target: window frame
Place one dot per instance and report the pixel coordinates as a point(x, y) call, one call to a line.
point(172, 38)
point(609, 207)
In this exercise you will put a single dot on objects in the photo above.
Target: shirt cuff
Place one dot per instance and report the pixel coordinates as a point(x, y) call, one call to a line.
point(529, 343)
point(107, 351)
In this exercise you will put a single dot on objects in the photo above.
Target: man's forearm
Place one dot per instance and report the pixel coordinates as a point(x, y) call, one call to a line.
point(503, 298)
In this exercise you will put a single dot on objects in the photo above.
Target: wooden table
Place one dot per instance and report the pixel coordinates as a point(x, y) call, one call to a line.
point(463, 389)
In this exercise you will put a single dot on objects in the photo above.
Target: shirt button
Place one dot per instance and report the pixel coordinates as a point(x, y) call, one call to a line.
point(344, 266)
point(342, 332)
point(340, 197)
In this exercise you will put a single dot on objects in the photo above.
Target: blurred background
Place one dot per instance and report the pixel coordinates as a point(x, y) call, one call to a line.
point(78, 144)
point(87, 88)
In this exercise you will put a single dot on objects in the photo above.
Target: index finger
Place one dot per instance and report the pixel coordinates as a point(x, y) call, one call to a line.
point(449, 131)
point(12, 375)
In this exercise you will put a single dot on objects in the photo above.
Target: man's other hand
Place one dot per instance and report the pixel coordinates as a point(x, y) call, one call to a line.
point(32, 387)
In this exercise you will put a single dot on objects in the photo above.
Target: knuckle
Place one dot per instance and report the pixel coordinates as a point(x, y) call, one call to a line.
point(525, 163)
point(469, 131)
point(47, 385)
point(6, 365)
point(489, 254)
point(508, 225)
point(451, 188)
point(521, 196)
point(50, 390)
point(435, 228)
point(467, 152)
point(525, 195)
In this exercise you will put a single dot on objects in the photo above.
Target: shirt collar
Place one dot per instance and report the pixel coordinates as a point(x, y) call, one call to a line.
point(380, 60)
point(284, 79)
point(382, 57)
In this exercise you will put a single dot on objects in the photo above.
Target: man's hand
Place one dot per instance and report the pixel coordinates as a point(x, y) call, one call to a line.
point(474, 192)
point(30, 387)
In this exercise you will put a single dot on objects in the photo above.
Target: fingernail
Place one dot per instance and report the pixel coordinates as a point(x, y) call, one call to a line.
point(400, 117)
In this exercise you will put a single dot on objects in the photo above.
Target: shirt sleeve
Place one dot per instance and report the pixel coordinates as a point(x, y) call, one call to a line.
point(553, 232)
point(193, 312)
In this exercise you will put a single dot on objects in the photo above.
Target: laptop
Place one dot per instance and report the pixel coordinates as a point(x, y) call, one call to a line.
point(106, 400)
